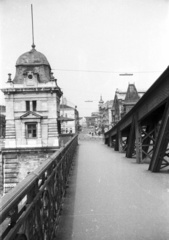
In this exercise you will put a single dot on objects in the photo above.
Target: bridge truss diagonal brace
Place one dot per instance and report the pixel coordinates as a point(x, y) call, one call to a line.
point(135, 140)
point(148, 139)
point(157, 161)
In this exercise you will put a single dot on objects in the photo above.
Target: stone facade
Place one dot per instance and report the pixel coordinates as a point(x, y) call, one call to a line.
point(18, 164)
point(32, 104)
point(32, 117)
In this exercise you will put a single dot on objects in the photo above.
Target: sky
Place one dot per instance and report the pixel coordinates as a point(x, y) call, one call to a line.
point(88, 43)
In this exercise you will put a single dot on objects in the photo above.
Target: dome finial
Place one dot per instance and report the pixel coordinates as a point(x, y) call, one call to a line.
point(33, 44)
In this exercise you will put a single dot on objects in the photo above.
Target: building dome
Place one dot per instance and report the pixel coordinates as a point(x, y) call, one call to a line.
point(34, 62)
point(32, 57)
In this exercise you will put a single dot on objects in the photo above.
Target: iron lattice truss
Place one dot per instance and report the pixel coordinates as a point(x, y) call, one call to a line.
point(144, 131)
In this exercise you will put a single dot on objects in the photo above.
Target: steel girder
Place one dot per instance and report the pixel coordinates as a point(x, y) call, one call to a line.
point(146, 137)
point(160, 158)
point(131, 140)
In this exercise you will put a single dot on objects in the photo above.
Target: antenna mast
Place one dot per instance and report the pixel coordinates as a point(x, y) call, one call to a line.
point(33, 44)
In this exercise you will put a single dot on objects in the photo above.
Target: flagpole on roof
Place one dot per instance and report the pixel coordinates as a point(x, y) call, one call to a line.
point(33, 44)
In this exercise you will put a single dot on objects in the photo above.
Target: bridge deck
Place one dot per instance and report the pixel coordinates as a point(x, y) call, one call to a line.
point(112, 197)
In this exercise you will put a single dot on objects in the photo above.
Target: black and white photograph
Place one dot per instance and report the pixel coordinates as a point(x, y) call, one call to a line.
point(84, 119)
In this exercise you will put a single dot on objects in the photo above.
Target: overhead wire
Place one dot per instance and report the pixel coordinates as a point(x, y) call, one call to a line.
point(101, 71)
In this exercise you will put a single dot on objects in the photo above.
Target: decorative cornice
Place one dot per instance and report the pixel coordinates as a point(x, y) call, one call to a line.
point(33, 89)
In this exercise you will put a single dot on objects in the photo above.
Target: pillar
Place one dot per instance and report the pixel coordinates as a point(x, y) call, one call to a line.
point(138, 142)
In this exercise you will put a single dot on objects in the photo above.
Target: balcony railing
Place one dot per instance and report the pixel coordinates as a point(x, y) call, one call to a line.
point(31, 210)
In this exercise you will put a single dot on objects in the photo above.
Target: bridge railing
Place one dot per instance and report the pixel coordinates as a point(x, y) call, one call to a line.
point(31, 210)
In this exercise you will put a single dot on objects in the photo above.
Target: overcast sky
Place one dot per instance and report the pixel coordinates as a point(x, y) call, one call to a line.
point(88, 43)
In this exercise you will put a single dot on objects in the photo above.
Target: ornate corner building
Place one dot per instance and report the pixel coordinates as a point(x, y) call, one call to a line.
point(32, 104)
point(32, 118)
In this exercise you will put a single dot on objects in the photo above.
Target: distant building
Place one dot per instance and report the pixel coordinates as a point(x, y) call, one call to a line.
point(102, 119)
point(124, 101)
point(112, 111)
point(106, 114)
point(91, 121)
point(100, 103)
point(69, 118)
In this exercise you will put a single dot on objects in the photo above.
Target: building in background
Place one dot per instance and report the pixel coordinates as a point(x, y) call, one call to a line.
point(69, 117)
point(102, 119)
point(105, 112)
point(112, 111)
point(124, 101)
point(92, 121)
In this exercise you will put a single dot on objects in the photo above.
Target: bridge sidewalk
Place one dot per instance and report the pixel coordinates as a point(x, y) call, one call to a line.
point(112, 197)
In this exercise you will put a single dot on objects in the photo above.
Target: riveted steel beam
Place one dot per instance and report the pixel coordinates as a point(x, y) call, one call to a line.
point(158, 160)
point(131, 140)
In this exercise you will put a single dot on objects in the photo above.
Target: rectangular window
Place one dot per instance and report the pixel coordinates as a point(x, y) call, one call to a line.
point(31, 130)
point(30, 105)
point(27, 105)
point(34, 105)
